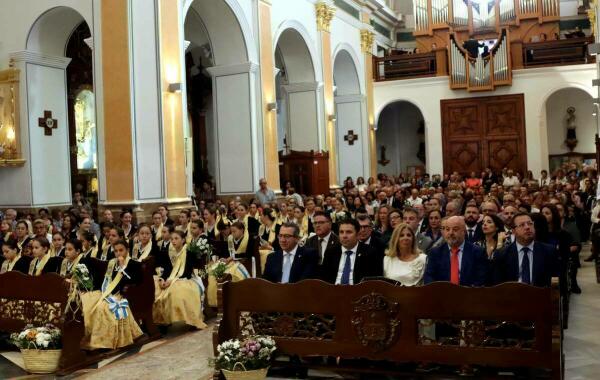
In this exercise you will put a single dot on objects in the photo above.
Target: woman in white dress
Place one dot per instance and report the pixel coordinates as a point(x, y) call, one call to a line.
point(403, 261)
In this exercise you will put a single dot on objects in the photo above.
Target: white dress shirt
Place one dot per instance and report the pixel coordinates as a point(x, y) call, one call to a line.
point(530, 256)
point(352, 258)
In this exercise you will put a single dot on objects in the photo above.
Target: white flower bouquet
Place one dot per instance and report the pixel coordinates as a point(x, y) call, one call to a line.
point(251, 353)
point(83, 278)
point(200, 248)
point(38, 338)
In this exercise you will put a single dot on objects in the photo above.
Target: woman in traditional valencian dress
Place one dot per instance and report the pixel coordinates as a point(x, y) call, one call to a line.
point(128, 228)
point(13, 260)
point(178, 290)
point(156, 228)
point(268, 230)
point(88, 245)
point(210, 222)
point(144, 248)
point(58, 245)
point(73, 256)
point(22, 234)
point(251, 224)
point(42, 261)
point(184, 223)
point(106, 314)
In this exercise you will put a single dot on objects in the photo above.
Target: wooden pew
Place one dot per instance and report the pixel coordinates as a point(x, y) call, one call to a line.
point(507, 326)
point(557, 52)
point(40, 300)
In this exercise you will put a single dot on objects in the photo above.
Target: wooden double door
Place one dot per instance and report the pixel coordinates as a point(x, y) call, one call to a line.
point(484, 132)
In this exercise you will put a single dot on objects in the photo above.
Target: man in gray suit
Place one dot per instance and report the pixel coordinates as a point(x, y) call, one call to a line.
point(411, 217)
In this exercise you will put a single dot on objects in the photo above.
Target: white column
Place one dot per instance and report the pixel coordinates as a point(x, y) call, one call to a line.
point(147, 131)
point(45, 179)
point(235, 141)
point(351, 117)
point(303, 110)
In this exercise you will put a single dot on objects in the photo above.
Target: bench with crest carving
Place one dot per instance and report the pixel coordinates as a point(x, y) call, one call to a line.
point(386, 327)
point(43, 299)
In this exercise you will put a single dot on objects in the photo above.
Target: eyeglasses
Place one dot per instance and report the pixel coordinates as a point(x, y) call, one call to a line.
point(524, 224)
point(286, 236)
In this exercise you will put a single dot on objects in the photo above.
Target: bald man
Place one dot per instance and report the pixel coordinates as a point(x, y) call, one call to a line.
point(457, 261)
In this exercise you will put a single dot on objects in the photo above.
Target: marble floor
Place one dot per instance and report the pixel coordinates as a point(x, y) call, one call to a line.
point(185, 355)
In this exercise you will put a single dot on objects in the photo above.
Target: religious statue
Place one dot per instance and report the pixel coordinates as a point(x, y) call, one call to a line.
point(383, 161)
point(571, 141)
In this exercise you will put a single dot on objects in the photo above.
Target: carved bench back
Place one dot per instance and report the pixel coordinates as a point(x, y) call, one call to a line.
point(507, 325)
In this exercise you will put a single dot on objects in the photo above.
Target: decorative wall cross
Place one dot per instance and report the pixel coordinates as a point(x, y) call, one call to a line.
point(48, 123)
point(351, 137)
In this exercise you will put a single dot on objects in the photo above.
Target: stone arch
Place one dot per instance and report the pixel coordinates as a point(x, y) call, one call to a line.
point(343, 52)
point(50, 32)
point(405, 142)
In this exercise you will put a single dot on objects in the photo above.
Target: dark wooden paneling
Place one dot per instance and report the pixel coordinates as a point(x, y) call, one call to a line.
point(484, 131)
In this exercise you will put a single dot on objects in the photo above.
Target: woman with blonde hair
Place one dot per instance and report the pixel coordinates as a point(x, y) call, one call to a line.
point(403, 261)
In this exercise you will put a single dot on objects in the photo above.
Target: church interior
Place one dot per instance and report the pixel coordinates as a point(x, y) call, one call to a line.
point(317, 189)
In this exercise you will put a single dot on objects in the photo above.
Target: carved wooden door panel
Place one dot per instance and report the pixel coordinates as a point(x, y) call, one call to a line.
point(483, 131)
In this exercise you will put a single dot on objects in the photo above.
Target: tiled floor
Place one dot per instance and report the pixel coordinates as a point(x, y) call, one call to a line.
point(185, 355)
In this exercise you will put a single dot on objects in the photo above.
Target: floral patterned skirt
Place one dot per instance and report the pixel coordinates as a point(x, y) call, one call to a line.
point(102, 328)
point(181, 301)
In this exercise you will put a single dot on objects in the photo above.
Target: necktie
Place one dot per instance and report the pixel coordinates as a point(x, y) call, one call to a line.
point(470, 234)
point(525, 274)
point(347, 268)
point(454, 267)
point(287, 267)
point(321, 240)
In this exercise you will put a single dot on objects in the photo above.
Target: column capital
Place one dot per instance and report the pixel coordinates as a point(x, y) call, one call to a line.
point(325, 13)
point(366, 40)
point(40, 59)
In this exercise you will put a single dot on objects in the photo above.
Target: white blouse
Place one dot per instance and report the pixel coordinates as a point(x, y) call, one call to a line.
point(408, 273)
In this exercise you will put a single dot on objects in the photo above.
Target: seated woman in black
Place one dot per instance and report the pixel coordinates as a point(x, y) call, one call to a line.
point(178, 295)
point(128, 228)
point(13, 260)
point(22, 235)
point(144, 247)
point(108, 320)
point(42, 261)
point(88, 245)
point(268, 230)
point(251, 225)
point(210, 222)
point(58, 245)
point(237, 242)
point(73, 257)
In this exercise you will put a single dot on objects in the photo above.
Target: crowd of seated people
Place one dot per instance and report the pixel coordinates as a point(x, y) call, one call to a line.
point(479, 230)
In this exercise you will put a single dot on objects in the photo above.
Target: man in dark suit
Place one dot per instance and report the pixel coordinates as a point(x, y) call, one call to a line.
point(526, 260)
point(352, 261)
point(458, 261)
point(410, 216)
point(367, 236)
point(292, 263)
point(474, 230)
point(324, 239)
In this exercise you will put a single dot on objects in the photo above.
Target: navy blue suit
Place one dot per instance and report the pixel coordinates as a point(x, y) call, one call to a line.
point(544, 267)
point(474, 265)
point(477, 234)
point(304, 265)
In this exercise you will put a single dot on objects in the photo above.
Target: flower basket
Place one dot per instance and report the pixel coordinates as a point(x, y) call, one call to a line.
point(256, 374)
point(41, 361)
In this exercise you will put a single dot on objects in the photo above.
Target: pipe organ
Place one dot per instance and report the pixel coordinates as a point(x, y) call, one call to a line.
point(481, 73)
point(474, 14)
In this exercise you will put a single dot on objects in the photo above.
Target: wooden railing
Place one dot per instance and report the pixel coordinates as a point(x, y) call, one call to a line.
point(405, 66)
point(557, 52)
